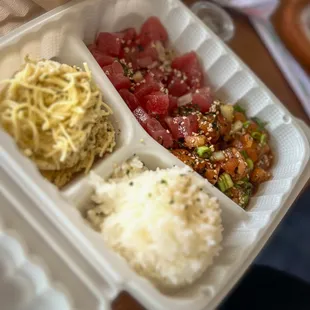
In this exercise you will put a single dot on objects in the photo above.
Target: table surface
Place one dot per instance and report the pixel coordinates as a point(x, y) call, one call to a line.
point(248, 46)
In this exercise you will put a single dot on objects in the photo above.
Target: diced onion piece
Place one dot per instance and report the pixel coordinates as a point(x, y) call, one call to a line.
point(137, 77)
point(218, 156)
point(227, 111)
point(160, 50)
point(185, 99)
point(237, 126)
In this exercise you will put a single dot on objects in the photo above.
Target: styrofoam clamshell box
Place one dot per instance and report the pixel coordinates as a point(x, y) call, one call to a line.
point(46, 247)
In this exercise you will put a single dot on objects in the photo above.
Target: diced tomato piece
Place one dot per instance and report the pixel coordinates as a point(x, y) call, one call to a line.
point(141, 115)
point(161, 135)
point(152, 30)
point(182, 126)
point(128, 34)
point(114, 68)
point(203, 99)
point(129, 98)
point(109, 43)
point(173, 103)
point(103, 60)
point(144, 62)
point(189, 64)
point(157, 103)
point(177, 87)
point(157, 74)
point(120, 81)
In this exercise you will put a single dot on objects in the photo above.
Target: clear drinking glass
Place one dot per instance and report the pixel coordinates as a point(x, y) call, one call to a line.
point(216, 18)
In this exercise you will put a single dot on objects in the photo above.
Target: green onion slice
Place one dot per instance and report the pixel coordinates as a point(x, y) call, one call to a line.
point(204, 151)
point(238, 108)
point(256, 135)
point(250, 163)
point(246, 124)
point(263, 139)
point(225, 182)
point(261, 124)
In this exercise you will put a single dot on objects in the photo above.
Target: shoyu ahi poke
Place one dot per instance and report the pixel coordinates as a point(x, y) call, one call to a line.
point(169, 97)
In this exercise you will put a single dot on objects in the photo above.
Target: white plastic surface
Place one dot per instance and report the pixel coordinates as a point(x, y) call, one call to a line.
point(76, 257)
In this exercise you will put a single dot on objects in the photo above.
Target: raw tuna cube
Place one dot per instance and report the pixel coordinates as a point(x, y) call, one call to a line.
point(177, 87)
point(182, 126)
point(189, 64)
point(173, 103)
point(144, 62)
point(158, 75)
point(128, 35)
point(141, 116)
point(146, 88)
point(152, 30)
point(114, 68)
point(109, 43)
point(92, 47)
point(147, 56)
point(157, 103)
point(130, 55)
point(120, 81)
point(161, 135)
point(103, 60)
point(149, 51)
point(129, 98)
point(203, 99)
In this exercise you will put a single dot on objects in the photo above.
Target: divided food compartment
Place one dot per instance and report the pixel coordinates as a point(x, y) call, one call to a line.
point(90, 274)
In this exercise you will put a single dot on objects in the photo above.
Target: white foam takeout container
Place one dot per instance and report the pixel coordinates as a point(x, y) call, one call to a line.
point(48, 254)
